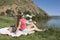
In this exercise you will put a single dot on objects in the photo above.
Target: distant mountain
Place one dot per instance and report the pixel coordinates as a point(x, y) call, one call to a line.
point(22, 5)
point(55, 17)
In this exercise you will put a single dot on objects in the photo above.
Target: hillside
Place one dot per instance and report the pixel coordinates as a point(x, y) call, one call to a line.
point(23, 5)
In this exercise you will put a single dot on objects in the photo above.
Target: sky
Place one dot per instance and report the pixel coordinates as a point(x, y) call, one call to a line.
point(51, 7)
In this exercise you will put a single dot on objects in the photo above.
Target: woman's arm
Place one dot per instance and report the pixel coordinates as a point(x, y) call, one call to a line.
point(18, 26)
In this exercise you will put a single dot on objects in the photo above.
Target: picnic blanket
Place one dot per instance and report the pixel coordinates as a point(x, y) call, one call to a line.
point(19, 33)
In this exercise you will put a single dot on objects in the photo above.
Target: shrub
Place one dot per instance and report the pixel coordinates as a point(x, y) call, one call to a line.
point(38, 17)
point(9, 12)
point(2, 13)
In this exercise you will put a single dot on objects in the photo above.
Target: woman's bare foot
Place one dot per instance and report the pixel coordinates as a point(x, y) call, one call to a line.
point(40, 30)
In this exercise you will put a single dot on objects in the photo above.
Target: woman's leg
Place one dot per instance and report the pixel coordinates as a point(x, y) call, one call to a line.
point(32, 27)
point(10, 29)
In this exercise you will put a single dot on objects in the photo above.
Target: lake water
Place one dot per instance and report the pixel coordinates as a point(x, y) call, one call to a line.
point(52, 22)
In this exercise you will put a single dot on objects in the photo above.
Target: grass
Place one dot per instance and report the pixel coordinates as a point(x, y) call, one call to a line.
point(6, 21)
point(52, 33)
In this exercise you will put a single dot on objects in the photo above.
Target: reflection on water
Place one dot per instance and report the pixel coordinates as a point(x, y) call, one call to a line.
point(51, 22)
point(55, 22)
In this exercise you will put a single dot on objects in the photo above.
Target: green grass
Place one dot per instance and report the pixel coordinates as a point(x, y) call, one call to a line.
point(52, 33)
point(6, 21)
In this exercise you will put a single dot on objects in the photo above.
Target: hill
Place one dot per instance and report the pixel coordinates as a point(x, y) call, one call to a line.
point(22, 5)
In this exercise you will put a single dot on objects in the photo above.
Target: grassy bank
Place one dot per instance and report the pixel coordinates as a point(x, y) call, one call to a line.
point(52, 33)
point(6, 21)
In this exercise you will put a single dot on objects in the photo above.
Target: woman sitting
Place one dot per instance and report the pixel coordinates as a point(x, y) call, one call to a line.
point(32, 27)
point(21, 22)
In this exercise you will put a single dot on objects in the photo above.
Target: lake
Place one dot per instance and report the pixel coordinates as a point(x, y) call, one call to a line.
point(55, 21)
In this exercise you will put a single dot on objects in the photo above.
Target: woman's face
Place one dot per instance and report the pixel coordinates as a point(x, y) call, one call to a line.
point(21, 13)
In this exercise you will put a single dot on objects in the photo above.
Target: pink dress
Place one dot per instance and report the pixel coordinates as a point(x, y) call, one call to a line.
point(23, 23)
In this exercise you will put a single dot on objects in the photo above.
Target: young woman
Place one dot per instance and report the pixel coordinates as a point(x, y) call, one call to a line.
point(21, 22)
point(32, 27)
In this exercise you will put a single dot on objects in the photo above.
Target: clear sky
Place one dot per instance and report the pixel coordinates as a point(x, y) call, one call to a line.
point(52, 7)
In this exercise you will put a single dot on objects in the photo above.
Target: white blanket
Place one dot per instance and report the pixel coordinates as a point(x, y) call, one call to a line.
point(19, 33)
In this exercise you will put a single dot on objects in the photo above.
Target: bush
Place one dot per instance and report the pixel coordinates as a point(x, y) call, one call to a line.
point(38, 17)
point(2, 13)
point(9, 12)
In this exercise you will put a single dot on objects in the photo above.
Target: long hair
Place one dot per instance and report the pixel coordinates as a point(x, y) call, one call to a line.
point(19, 16)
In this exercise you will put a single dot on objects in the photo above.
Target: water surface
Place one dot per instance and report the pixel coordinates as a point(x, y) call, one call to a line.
point(51, 22)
